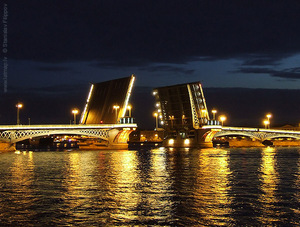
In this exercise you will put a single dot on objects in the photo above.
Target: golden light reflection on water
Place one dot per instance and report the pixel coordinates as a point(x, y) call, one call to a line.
point(125, 185)
point(22, 177)
point(269, 180)
point(187, 187)
point(79, 183)
point(212, 199)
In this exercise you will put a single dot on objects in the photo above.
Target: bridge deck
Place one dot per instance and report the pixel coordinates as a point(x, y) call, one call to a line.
point(67, 126)
point(245, 129)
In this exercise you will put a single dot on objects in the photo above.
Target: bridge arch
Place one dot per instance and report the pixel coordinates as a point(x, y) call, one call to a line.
point(237, 133)
point(14, 136)
point(270, 137)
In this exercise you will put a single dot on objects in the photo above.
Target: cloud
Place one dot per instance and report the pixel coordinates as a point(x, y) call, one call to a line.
point(167, 68)
point(291, 73)
point(139, 33)
point(56, 90)
point(53, 69)
point(263, 59)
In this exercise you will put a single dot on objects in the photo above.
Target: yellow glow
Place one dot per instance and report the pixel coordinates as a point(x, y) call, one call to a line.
point(171, 141)
point(128, 94)
point(266, 122)
point(155, 114)
point(86, 105)
point(212, 178)
point(214, 111)
point(116, 107)
point(129, 107)
point(75, 111)
point(222, 118)
point(19, 105)
point(186, 142)
point(269, 179)
point(269, 116)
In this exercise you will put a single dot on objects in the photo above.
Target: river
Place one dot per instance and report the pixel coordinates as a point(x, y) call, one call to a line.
point(158, 187)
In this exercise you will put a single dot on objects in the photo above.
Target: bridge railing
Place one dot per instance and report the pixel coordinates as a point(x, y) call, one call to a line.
point(67, 126)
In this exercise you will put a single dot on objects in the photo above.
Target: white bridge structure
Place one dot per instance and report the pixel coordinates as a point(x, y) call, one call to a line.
point(115, 134)
point(256, 133)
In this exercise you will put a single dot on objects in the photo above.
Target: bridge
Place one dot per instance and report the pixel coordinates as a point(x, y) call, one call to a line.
point(104, 117)
point(260, 134)
point(186, 122)
point(115, 134)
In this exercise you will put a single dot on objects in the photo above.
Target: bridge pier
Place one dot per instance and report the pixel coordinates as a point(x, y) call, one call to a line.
point(201, 138)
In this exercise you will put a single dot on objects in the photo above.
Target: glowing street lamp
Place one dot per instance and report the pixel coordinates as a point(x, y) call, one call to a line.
point(266, 123)
point(75, 112)
point(155, 114)
point(19, 106)
point(129, 107)
point(116, 107)
point(222, 119)
point(172, 119)
point(269, 116)
point(214, 114)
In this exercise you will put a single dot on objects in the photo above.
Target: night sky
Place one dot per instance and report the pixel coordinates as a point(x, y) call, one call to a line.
point(245, 53)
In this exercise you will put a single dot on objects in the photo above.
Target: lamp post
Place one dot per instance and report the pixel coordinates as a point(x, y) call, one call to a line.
point(214, 114)
point(172, 119)
point(155, 114)
point(266, 123)
point(129, 107)
point(182, 118)
point(268, 117)
point(19, 106)
point(116, 108)
point(75, 112)
point(222, 119)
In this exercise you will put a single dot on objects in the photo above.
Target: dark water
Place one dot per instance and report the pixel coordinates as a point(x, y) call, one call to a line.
point(215, 187)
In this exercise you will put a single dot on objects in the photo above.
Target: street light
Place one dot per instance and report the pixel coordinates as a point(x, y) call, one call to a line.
point(214, 114)
point(75, 112)
point(269, 116)
point(116, 107)
point(155, 114)
point(19, 106)
point(182, 118)
point(222, 119)
point(266, 123)
point(129, 110)
point(172, 119)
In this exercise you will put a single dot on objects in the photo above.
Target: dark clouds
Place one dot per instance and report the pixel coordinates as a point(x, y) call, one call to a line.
point(53, 69)
point(167, 68)
point(120, 33)
point(53, 46)
point(291, 73)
